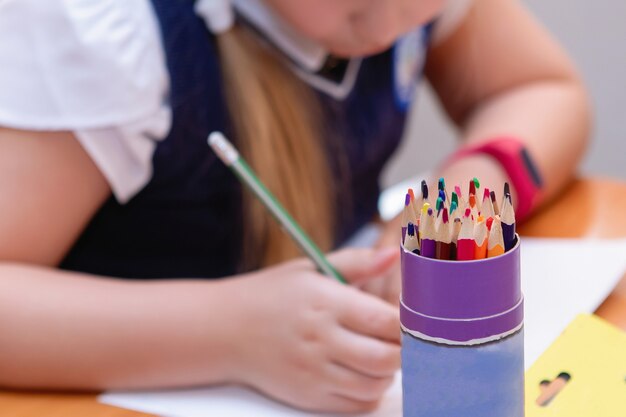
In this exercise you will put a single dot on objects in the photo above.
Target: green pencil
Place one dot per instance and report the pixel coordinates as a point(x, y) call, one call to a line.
point(230, 156)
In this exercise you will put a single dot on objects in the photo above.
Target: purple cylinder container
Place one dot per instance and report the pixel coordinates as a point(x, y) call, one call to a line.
point(462, 336)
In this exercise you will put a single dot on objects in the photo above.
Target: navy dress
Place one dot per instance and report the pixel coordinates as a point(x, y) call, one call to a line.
point(186, 222)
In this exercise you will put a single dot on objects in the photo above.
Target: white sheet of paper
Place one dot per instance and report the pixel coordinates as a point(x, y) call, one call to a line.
point(561, 278)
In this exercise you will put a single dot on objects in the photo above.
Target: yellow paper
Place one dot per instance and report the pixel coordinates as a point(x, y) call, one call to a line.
point(593, 352)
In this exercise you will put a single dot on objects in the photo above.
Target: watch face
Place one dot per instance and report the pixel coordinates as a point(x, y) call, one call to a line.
point(531, 168)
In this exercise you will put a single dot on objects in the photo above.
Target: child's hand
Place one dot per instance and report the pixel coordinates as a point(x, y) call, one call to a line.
point(389, 286)
point(314, 343)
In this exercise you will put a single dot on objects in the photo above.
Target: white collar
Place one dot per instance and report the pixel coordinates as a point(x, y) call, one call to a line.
point(307, 56)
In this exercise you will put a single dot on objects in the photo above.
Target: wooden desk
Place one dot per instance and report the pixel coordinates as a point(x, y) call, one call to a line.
point(581, 211)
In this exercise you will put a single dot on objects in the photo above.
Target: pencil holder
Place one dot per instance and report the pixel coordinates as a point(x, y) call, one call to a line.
point(462, 336)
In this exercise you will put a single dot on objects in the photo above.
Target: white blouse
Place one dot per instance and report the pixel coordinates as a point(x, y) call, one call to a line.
point(97, 68)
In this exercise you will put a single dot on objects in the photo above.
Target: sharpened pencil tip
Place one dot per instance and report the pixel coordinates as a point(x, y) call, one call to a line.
point(486, 194)
point(424, 190)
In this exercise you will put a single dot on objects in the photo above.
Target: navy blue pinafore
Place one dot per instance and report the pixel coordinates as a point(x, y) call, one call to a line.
point(186, 222)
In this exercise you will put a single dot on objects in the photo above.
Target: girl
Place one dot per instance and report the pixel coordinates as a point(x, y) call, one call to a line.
point(114, 214)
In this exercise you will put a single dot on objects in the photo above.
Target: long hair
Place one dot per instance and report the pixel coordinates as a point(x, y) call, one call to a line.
point(277, 123)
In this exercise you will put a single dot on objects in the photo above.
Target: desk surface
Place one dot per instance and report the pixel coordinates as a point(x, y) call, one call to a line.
point(579, 212)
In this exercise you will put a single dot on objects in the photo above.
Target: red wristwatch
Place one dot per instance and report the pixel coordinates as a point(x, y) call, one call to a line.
point(519, 166)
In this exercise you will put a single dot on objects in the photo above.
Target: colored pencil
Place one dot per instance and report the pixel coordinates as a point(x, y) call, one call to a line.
point(488, 222)
point(414, 203)
point(442, 187)
point(443, 237)
point(461, 201)
point(487, 209)
point(231, 158)
point(506, 190)
point(496, 241)
point(480, 237)
point(465, 242)
point(476, 184)
point(424, 192)
point(496, 209)
point(457, 190)
point(444, 198)
point(456, 228)
point(454, 212)
point(508, 223)
point(428, 245)
point(411, 243)
point(473, 206)
point(408, 216)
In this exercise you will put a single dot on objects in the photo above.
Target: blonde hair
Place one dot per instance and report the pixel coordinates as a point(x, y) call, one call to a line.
point(276, 121)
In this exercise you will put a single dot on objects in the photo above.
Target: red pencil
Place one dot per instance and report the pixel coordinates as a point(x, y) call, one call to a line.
point(487, 209)
point(496, 241)
point(465, 242)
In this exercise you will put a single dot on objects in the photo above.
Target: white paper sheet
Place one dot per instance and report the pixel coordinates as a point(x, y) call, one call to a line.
point(561, 278)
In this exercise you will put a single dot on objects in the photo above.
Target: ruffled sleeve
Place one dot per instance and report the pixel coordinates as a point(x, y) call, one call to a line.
point(96, 68)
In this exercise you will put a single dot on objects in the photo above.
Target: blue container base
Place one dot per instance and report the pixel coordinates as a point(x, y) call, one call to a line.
point(465, 381)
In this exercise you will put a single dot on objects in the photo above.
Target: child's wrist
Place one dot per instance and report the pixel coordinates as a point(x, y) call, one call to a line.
point(518, 164)
point(224, 318)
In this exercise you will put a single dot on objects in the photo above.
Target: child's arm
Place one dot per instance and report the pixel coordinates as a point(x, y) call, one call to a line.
point(501, 73)
point(287, 331)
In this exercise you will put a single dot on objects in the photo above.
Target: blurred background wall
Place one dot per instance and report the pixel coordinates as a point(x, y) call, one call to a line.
point(594, 34)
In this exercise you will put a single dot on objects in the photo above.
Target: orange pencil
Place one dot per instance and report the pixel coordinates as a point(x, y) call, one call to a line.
point(414, 203)
point(480, 238)
point(495, 246)
point(473, 189)
point(473, 206)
